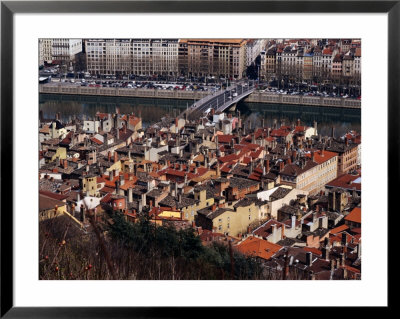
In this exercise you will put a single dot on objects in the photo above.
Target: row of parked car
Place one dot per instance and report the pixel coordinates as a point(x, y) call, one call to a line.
point(308, 93)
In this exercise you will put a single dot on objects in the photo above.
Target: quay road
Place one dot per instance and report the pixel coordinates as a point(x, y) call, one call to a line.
point(255, 97)
point(220, 100)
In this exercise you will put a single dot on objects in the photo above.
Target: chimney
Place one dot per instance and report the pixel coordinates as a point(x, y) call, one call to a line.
point(82, 214)
point(267, 166)
point(144, 199)
point(343, 259)
point(312, 156)
point(333, 132)
point(293, 222)
point(87, 168)
point(298, 122)
point(308, 258)
point(115, 157)
point(273, 229)
point(109, 156)
point(346, 141)
point(130, 197)
point(117, 187)
point(111, 175)
point(322, 151)
point(117, 133)
point(65, 164)
point(344, 239)
point(180, 198)
point(294, 156)
point(122, 179)
point(214, 207)
point(325, 253)
point(326, 241)
point(281, 166)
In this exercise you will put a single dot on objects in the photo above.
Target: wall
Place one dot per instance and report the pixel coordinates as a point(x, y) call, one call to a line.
point(255, 97)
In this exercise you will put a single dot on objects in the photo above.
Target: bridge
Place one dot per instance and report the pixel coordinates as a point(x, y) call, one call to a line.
point(220, 100)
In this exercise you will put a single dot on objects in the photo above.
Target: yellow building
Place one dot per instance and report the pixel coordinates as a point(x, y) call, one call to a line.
point(189, 206)
point(89, 185)
point(231, 220)
point(61, 153)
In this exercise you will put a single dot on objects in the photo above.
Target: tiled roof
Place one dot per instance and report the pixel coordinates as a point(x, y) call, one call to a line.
point(256, 247)
point(354, 216)
point(346, 181)
point(46, 202)
point(339, 229)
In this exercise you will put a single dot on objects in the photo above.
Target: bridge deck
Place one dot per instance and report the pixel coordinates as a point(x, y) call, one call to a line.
point(221, 100)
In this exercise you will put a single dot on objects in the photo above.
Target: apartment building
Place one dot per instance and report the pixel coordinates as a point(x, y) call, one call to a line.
point(253, 49)
point(65, 49)
point(62, 50)
point(311, 172)
point(216, 57)
point(132, 56)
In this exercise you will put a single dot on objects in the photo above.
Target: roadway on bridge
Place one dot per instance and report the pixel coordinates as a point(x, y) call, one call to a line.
point(218, 99)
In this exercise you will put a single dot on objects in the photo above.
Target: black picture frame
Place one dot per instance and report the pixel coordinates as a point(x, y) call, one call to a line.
point(9, 8)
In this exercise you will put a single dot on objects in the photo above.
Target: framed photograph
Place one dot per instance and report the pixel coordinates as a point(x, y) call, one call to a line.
point(196, 154)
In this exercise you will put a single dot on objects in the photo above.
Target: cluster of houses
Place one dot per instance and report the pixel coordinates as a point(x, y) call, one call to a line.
point(282, 194)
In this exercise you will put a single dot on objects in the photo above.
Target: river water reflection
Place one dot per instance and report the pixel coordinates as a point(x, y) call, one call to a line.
point(151, 110)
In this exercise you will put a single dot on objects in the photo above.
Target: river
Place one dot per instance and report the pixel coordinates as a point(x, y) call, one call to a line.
point(151, 110)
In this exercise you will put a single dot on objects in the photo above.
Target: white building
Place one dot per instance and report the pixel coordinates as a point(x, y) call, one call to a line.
point(65, 49)
point(132, 56)
point(253, 49)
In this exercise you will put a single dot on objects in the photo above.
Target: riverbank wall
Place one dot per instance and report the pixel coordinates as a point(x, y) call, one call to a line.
point(255, 97)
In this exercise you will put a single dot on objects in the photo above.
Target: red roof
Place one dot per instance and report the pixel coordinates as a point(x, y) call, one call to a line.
point(258, 247)
point(228, 158)
point(319, 158)
point(354, 216)
point(339, 229)
point(54, 195)
point(279, 133)
point(93, 139)
point(225, 138)
point(346, 181)
point(313, 250)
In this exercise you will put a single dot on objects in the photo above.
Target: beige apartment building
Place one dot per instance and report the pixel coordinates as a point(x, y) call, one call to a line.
point(214, 57)
point(311, 173)
point(231, 220)
point(132, 56)
point(347, 155)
